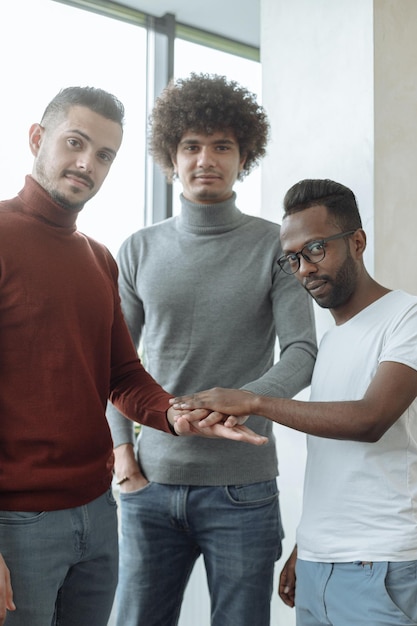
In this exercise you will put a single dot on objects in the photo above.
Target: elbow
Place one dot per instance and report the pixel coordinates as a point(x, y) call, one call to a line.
point(371, 434)
point(370, 438)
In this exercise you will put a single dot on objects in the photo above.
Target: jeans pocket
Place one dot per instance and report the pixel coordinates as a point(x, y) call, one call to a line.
point(126, 495)
point(255, 494)
point(400, 585)
point(18, 518)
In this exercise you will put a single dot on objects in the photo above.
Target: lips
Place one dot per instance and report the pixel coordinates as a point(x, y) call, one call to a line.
point(314, 286)
point(207, 177)
point(80, 181)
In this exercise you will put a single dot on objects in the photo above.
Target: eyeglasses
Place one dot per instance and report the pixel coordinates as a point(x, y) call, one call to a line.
point(313, 252)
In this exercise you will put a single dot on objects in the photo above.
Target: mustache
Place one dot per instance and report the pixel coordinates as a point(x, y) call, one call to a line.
point(80, 175)
point(206, 171)
point(313, 279)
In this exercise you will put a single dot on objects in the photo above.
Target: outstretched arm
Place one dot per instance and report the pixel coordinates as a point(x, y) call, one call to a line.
point(390, 393)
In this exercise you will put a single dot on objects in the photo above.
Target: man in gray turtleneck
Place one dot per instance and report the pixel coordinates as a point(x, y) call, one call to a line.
point(203, 293)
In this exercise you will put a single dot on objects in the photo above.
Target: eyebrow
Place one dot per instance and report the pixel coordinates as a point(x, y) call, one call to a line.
point(217, 141)
point(88, 138)
point(306, 244)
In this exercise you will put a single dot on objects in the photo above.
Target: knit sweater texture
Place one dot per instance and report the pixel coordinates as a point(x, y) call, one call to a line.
point(64, 350)
point(205, 294)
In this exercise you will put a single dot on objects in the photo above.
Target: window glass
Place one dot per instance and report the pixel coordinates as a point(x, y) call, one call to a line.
point(45, 46)
point(190, 57)
point(65, 46)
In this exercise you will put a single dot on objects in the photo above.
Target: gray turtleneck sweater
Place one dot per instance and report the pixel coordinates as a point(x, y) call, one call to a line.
point(204, 295)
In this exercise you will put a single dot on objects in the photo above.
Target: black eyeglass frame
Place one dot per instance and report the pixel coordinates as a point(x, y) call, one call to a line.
point(322, 242)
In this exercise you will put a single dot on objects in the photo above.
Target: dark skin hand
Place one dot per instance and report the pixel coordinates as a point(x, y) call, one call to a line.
point(286, 589)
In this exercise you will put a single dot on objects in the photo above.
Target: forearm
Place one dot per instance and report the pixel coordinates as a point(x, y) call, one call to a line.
point(388, 396)
point(336, 420)
point(122, 429)
point(351, 420)
point(125, 463)
point(129, 476)
point(288, 376)
point(137, 396)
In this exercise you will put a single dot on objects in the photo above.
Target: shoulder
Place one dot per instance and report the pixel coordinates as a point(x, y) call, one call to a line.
point(399, 303)
point(101, 253)
point(262, 224)
point(148, 233)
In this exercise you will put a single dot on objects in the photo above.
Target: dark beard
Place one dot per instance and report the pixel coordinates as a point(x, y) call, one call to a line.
point(343, 285)
point(60, 199)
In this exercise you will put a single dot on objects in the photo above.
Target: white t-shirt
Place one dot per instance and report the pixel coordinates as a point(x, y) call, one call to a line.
point(360, 499)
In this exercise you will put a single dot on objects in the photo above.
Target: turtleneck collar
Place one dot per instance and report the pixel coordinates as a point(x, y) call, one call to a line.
point(208, 219)
point(38, 203)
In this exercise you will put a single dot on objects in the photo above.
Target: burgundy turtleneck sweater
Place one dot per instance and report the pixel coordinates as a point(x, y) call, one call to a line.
point(64, 350)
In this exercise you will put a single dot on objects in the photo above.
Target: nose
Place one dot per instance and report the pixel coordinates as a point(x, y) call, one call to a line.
point(85, 162)
point(205, 157)
point(306, 267)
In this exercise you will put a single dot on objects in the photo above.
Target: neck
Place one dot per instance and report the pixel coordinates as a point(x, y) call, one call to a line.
point(40, 204)
point(367, 292)
point(209, 218)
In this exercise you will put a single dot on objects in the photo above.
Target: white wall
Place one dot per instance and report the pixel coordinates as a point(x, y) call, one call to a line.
point(339, 86)
point(395, 96)
point(317, 61)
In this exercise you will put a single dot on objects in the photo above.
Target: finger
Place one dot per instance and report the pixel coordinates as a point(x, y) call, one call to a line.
point(182, 405)
point(197, 415)
point(213, 417)
point(239, 433)
point(182, 426)
point(287, 599)
point(188, 402)
point(233, 420)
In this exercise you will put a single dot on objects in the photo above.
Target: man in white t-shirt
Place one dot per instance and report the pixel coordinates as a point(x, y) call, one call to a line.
point(357, 539)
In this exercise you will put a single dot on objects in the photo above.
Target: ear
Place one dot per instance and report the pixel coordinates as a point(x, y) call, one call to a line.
point(359, 240)
point(35, 138)
point(242, 162)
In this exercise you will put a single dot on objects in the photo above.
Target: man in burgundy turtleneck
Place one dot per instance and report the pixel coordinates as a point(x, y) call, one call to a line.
point(65, 349)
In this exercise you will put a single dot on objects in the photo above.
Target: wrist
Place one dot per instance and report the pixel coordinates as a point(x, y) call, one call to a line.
point(255, 404)
point(125, 478)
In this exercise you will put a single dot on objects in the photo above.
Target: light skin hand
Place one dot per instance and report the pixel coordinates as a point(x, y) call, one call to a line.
point(219, 431)
point(125, 464)
point(6, 592)
point(286, 589)
point(193, 426)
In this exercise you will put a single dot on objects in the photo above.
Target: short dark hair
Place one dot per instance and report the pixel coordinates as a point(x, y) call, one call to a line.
point(207, 103)
point(339, 200)
point(95, 99)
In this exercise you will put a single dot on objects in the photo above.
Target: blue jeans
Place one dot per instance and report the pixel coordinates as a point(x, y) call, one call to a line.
point(355, 594)
point(164, 528)
point(63, 564)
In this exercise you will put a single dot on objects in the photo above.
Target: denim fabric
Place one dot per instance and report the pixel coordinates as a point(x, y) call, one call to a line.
point(63, 564)
point(355, 594)
point(165, 528)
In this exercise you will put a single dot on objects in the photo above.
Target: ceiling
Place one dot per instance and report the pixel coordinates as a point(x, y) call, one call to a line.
point(235, 19)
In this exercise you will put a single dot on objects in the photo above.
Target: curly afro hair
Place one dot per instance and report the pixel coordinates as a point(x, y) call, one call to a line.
point(207, 103)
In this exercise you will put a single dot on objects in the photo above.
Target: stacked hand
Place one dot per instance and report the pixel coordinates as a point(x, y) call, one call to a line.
point(216, 413)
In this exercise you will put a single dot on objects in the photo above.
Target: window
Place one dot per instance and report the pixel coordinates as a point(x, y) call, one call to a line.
point(47, 45)
point(191, 57)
